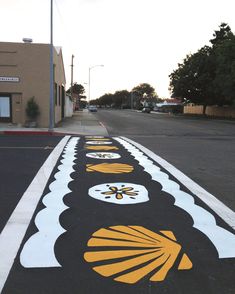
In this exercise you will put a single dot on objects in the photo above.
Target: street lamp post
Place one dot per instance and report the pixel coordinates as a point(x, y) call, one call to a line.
point(51, 108)
point(71, 87)
point(89, 81)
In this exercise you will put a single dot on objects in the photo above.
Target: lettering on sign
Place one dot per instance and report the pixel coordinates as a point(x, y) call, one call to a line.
point(10, 79)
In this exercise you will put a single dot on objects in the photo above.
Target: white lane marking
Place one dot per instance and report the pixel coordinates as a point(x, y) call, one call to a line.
point(223, 240)
point(227, 214)
point(15, 229)
point(38, 250)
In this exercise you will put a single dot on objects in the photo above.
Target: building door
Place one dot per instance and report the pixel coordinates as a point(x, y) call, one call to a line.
point(5, 108)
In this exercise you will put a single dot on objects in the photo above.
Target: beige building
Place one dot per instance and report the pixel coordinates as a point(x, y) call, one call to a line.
point(25, 73)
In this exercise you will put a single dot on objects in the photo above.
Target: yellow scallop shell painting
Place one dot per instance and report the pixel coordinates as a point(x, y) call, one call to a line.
point(128, 254)
point(110, 168)
point(101, 148)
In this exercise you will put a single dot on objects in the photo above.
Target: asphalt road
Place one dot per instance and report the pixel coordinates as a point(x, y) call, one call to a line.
point(20, 157)
point(204, 149)
point(118, 221)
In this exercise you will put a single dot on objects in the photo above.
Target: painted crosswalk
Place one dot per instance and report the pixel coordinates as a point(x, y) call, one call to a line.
point(111, 214)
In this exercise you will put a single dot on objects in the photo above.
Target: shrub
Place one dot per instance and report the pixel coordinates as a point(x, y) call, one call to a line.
point(32, 109)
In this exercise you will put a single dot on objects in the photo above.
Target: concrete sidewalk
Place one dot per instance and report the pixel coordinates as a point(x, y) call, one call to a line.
point(81, 123)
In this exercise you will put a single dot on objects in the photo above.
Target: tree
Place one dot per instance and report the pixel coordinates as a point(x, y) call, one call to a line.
point(142, 89)
point(224, 82)
point(144, 94)
point(105, 100)
point(121, 99)
point(77, 89)
point(224, 33)
point(193, 80)
point(208, 76)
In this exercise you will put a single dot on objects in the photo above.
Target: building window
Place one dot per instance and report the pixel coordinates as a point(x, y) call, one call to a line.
point(5, 108)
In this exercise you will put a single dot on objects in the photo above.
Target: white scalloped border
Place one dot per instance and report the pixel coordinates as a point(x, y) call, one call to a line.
point(223, 240)
point(38, 251)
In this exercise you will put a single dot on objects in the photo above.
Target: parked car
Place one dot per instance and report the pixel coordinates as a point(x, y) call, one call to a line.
point(92, 108)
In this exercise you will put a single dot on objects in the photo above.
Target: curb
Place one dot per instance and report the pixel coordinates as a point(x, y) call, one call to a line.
point(31, 133)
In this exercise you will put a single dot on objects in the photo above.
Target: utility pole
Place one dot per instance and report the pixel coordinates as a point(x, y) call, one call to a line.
point(71, 88)
point(51, 104)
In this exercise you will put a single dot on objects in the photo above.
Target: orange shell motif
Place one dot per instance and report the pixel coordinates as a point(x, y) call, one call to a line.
point(101, 147)
point(110, 168)
point(135, 252)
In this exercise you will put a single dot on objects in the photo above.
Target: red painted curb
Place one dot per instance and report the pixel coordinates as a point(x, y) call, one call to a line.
point(46, 133)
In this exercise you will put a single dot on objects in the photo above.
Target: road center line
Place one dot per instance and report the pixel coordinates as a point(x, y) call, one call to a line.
point(216, 205)
point(15, 229)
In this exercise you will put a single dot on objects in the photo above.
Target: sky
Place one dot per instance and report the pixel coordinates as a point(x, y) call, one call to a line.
point(137, 41)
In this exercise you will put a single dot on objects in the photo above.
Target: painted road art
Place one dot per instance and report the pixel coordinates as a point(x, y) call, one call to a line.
point(158, 257)
point(112, 220)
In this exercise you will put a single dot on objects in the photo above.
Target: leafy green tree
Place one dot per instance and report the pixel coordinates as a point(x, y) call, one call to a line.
point(142, 89)
point(193, 80)
point(144, 93)
point(105, 100)
point(77, 89)
point(224, 33)
point(207, 76)
point(224, 83)
point(121, 98)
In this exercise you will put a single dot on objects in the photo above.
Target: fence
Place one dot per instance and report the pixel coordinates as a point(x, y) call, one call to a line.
point(217, 111)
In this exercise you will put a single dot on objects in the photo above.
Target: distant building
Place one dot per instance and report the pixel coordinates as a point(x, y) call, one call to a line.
point(173, 105)
point(25, 73)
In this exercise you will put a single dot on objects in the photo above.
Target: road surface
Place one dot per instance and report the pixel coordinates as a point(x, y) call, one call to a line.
point(107, 214)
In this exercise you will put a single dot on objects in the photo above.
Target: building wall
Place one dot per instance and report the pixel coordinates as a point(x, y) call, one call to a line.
point(30, 63)
point(59, 77)
point(68, 107)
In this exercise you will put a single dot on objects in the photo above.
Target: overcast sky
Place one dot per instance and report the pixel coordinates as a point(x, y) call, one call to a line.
point(137, 41)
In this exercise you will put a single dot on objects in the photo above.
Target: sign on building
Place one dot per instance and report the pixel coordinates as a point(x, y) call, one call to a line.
point(10, 79)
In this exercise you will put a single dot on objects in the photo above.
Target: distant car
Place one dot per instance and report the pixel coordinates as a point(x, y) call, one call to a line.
point(92, 108)
point(157, 109)
point(146, 110)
